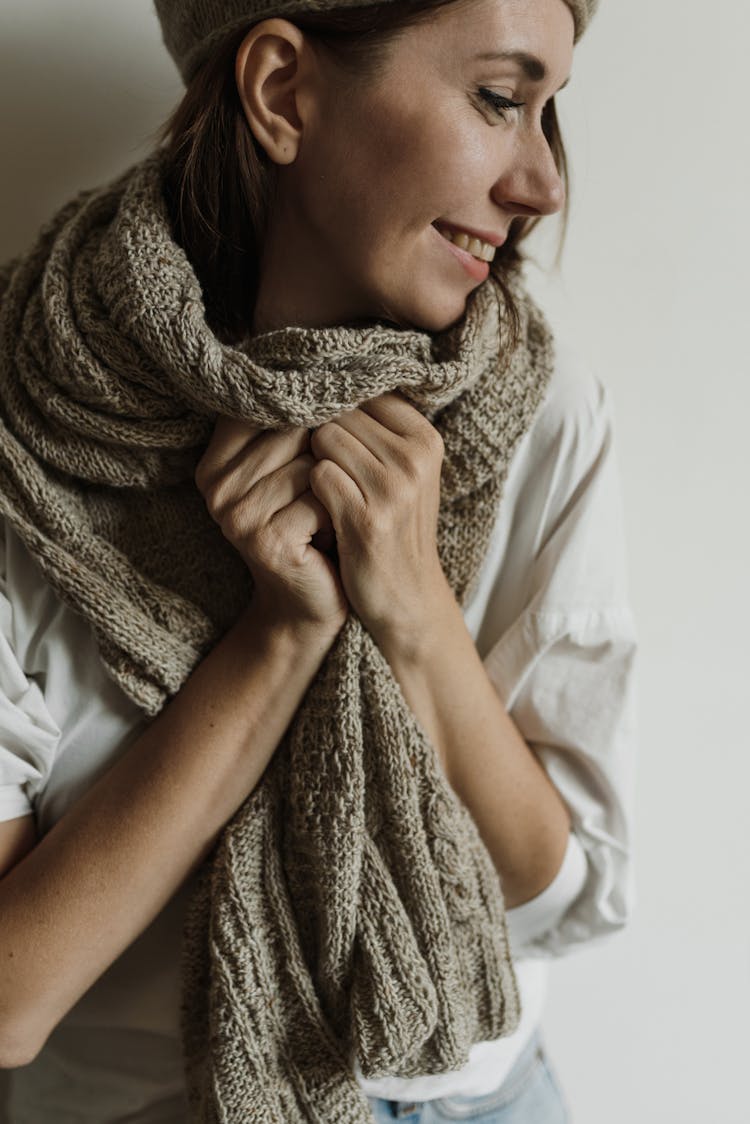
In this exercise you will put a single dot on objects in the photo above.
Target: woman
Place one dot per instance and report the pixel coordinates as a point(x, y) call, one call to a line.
point(299, 506)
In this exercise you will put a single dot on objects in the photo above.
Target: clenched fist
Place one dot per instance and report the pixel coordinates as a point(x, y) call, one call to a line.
point(256, 484)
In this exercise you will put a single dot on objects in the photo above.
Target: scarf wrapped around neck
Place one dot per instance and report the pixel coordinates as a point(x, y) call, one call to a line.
point(350, 910)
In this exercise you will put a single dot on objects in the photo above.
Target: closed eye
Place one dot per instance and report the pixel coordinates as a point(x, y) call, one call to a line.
point(499, 103)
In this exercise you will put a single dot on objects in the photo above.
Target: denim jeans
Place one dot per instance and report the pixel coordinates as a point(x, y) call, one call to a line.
point(529, 1094)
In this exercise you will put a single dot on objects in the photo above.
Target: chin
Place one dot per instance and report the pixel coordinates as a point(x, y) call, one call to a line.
point(430, 316)
point(440, 318)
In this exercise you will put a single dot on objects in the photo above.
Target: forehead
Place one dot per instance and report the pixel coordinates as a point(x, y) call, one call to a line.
point(468, 32)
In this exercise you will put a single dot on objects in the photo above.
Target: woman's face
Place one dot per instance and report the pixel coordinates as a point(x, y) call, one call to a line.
point(385, 168)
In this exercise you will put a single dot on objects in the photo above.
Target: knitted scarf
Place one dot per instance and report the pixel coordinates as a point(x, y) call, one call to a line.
point(350, 910)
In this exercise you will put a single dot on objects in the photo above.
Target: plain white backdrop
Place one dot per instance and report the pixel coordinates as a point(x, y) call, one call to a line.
point(654, 286)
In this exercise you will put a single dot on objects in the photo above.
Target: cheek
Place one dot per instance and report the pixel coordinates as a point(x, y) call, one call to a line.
point(441, 164)
point(391, 153)
point(388, 173)
point(365, 191)
point(469, 158)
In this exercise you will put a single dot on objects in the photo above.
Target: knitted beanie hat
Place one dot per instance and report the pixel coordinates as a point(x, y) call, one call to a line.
point(191, 28)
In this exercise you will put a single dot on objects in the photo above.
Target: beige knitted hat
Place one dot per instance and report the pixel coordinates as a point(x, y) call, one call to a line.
point(192, 27)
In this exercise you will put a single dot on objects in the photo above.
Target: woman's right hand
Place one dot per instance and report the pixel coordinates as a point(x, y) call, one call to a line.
point(256, 484)
point(182, 779)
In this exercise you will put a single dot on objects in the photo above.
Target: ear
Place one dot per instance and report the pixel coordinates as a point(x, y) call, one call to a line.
point(270, 66)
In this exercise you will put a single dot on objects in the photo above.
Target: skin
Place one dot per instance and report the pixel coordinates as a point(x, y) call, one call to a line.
point(359, 243)
point(73, 901)
point(350, 240)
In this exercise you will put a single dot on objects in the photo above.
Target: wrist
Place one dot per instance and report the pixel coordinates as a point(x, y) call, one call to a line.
point(412, 638)
point(272, 631)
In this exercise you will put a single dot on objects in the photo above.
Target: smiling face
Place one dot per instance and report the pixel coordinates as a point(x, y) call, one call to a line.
point(387, 170)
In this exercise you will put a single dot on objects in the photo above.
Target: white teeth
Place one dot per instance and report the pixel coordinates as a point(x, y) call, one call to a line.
point(478, 249)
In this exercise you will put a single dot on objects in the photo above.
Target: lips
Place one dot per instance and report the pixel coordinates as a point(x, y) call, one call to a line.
point(476, 268)
point(464, 236)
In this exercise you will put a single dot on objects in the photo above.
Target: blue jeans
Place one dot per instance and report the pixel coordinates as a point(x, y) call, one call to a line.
point(529, 1094)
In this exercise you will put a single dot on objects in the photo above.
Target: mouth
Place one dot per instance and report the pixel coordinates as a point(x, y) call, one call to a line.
point(469, 241)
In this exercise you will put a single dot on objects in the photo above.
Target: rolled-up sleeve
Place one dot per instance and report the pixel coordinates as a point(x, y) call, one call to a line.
point(565, 668)
point(576, 707)
point(29, 737)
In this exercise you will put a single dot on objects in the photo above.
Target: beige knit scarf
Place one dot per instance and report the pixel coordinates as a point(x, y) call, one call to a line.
point(350, 910)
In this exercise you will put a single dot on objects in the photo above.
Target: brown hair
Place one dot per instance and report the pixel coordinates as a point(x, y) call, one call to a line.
point(219, 181)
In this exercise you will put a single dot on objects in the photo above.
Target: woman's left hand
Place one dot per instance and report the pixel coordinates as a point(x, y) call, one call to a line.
point(378, 476)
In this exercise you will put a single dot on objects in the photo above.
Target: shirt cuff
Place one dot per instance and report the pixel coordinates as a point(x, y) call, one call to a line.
point(14, 802)
point(527, 922)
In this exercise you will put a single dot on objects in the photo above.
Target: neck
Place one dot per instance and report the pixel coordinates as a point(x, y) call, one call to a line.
point(301, 287)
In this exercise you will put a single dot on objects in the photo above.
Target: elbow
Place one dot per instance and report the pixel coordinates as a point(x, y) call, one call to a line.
point(14, 1056)
point(17, 1048)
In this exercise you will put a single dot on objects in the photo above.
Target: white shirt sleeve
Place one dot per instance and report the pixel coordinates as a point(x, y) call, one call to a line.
point(565, 664)
point(575, 707)
point(539, 916)
point(28, 735)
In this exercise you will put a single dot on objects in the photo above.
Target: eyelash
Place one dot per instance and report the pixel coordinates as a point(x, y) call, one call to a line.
point(499, 103)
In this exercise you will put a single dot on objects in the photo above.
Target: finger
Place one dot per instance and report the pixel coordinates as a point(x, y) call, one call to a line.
point(303, 518)
point(268, 453)
point(335, 443)
point(225, 478)
point(275, 491)
point(230, 437)
point(397, 415)
point(376, 437)
point(339, 494)
point(414, 439)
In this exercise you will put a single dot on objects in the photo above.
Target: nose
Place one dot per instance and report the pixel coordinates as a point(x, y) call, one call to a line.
point(530, 183)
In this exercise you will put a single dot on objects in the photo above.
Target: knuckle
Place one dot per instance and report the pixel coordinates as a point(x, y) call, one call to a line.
point(235, 524)
point(411, 471)
point(436, 443)
point(268, 547)
point(321, 471)
point(287, 527)
point(241, 520)
point(427, 454)
point(294, 440)
point(305, 461)
point(406, 460)
point(429, 439)
point(373, 522)
point(214, 493)
point(425, 471)
point(320, 437)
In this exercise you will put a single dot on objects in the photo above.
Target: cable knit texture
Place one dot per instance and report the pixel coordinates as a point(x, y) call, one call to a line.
point(350, 908)
point(192, 28)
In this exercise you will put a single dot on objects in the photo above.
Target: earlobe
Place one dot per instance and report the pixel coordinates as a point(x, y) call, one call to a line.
point(267, 71)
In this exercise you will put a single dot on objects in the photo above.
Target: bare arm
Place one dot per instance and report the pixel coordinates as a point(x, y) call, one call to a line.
point(520, 815)
point(17, 837)
point(100, 876)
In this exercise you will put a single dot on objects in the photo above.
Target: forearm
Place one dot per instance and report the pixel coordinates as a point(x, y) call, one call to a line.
point(101, 875)
point(521, 817)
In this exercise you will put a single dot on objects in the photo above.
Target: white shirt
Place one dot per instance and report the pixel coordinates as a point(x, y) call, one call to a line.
point(552, 622)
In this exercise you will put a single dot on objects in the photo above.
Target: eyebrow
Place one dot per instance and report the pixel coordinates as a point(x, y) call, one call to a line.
point(533, 68)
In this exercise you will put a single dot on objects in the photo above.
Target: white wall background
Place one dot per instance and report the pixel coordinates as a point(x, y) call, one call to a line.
point(656, 275)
